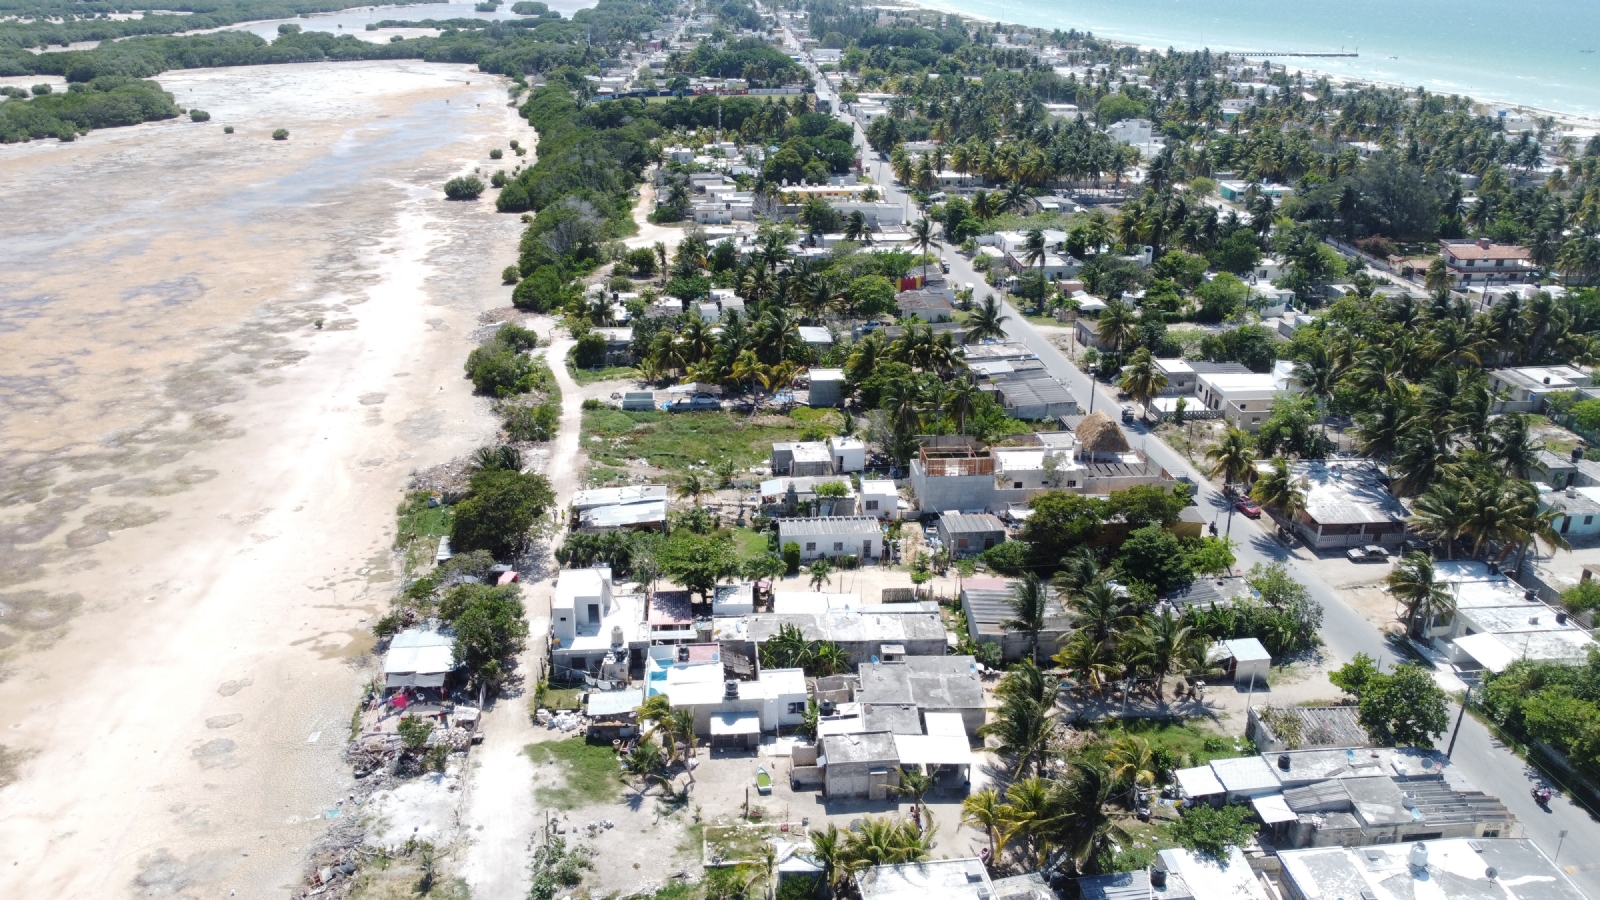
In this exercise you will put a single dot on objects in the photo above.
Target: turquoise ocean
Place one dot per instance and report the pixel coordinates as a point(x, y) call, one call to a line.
point(1528, 52)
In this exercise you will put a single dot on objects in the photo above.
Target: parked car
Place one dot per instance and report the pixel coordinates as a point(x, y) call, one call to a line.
point(697, 403)
point(1127, 415)
point(1369, 553)
point(1248, 507)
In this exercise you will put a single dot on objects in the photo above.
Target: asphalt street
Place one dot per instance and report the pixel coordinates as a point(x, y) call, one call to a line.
point(1485, 762)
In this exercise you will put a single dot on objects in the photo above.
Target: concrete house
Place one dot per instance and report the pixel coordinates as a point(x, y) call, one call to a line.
point(1483, 262)
point(801, 458)
point(849, 454)
point(970, 534)
point(595, 631)
point(986, 601)
point(1461, 869)
point(1244, 400)
point(827, 387)
point(860, 764)
point(952, 472)
point(932, 684)
point(833, 536)
point(880, 499)
point(1347, 505)
point(1527, 389)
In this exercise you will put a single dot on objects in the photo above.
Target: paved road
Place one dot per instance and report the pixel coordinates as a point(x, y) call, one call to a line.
point(1489, 766)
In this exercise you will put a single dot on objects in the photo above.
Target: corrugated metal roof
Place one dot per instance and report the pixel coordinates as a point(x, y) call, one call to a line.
point(1245, 775)
point(967, 523)
point(829, 525)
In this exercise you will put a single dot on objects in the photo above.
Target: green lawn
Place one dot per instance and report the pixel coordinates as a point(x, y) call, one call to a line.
point(751, 543)
point(1196, 742)
point(609, 373)
point(590, 772)
point(419, 528)
point(677, 441)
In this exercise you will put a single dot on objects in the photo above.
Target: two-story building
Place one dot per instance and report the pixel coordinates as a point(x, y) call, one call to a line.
point(1483, 262)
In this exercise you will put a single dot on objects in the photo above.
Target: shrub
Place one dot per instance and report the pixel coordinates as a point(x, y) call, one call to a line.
point(227, 129)
point(1214, 831)
point(1581, 596)
point(543, 291)
point(791, 558)
point(592, 403)
point(463, 187)
point(199, 115)
point(414, 732)
point(510, 275)
point(532, 423)
point(39, 90)
point(496, 153)
point(498, 511)
point(282, 134)
point(498, 179)
point(589, 352)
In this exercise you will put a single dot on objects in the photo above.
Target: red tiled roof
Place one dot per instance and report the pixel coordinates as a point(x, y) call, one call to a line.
point(1484, 250)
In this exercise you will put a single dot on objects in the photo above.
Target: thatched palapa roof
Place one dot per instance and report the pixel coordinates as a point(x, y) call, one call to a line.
point(1099, 434)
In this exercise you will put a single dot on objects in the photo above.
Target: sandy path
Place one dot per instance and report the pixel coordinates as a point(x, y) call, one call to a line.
point(649, 232)
point(501, 817)
point(182, 718)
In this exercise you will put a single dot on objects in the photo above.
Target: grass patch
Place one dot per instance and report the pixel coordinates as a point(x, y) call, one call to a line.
point(608, 373)
point(589, 772)
point(737, 843)
point(1139, 852)
point(419, 529)
point(751, 543)
point(677, 442)
point(1190, 744)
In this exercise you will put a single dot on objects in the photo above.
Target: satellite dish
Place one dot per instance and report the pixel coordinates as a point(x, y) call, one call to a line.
point(1490, 873)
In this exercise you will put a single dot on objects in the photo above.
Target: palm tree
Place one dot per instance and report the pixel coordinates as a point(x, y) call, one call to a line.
point(1232, 458)
point(985, 810)
point(692, 488)
point(1029, 602)
point(644, 762)
point(1277, 490)
point(1530, 520)
point(821, 572)
point(1441, 512)
point(1512, 446)
point(1118, 326)
point(828, 852)
point(1093, 663)
point(680, 724)
point(1026, 718)
point(1037, 252)
point(961, 402)
point(1143, 379)
point(1159, 643)
point(1132, 761)
point(914, 783)
point(922, 239)
point(987, 321)
point(503, 458)
point(855, 227)
point(1318, 375)
point(1421, 598)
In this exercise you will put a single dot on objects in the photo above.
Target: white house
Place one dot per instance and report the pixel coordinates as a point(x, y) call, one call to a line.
point(880, 499)
point(1245, 400)
point(1527, 388)
point(1181, 376)
point(849, 454)
point(595, 631)
point(831, 536)
point(1131, 131)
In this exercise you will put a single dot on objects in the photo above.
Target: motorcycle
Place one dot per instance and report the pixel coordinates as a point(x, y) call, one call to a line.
point(1541, 796)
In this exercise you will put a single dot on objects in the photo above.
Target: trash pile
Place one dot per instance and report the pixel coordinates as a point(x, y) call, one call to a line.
point(566, 720)
point(371, 753)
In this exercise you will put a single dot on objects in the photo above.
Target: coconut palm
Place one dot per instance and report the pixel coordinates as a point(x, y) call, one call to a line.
point(922, 239)
point(986, 810)
point(1420, 596)
point(1512, 446)
point(681, 724)
point(1232, 458)
point(1098, 609)
point(1531, 520)
point(1093, 664)
point(1036, 251)
point(1318, 375)
point(692, 488)
point(856, 229)
point(1118, 326)
point(502, 458)
point(1132, 762)
point(961, 402)
point(645, 762)
point(1025, 720)
point(1441, 512)
point(1159, 645)
point(1277, 490)
point(1142, 379)
point(821, 573)
point(1079, 568)
point(987, 321)
point(914, 783)
point(827, 850)
point(1030, 606)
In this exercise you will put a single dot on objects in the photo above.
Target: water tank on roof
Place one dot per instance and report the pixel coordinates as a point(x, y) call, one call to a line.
point(616, 636)
point(1158, 878)
point(1419, 855)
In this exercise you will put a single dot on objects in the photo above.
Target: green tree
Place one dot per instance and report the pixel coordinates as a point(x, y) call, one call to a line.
point(1353, 676)
point(464, 187)
point(1030, 607)
point(1214, 831)
point(699, 561)
point(499, 509)
point(1221, 298)
point(543, 291)
point(1061, 521)
point(490, 630)
point(1403, 708)
point(1142, 379)
point(1152, 555)
point(1421, 596)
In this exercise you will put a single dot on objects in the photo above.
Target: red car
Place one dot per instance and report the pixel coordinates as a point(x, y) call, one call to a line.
point(1248, 507)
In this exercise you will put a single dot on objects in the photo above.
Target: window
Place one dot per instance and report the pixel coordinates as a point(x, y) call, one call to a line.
point(580, 663)
point(1017, 485)
point(797, 709)
point(838, 546)
point(872, 504)
point(1588, 520)
point(1072, 483)
point(961, 543)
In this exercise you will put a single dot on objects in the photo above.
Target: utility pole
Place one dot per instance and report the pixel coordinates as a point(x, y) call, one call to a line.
point(1459, 716)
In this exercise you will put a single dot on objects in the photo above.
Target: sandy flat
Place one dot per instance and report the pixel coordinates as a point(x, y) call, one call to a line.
point(199, 484)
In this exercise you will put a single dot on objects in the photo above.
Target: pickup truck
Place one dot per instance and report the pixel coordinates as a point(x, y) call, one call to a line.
point(1369, 553)
point(697, 403)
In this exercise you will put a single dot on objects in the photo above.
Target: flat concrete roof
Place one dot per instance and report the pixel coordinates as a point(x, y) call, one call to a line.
point(946, 879)
point(858, 747)
point(1455, 868)
point(929, 682)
